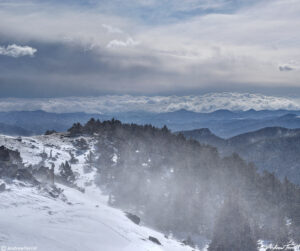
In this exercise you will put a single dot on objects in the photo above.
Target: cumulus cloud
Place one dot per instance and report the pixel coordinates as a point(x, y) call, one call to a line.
point(16, 51)
point(124, 103)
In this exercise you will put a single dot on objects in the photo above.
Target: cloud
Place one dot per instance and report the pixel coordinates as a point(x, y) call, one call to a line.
point(285, 68)
point(16, 51)
point(111, 29)
point(129, 42)
point(234, 46)
point(124, 103)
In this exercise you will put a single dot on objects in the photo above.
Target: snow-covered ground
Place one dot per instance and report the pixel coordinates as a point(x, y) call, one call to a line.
point(33, 219)
point(30, 219)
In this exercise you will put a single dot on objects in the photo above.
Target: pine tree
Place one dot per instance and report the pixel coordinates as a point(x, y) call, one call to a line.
point(75, 129)
point(90, 160)
point(66, 172)
point(51, 174)
point(73, 160)
point(232, 230)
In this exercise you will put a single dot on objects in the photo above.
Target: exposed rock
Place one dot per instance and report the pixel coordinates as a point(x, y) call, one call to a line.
point(10, 163)
point(133, 218)
point(2, 187)
point(189, 242)
point(81, 144)
point(153, 239)
point(44, 174)
point(54, 191)
point(25, 175)
point(8, 170)
point(4, 154)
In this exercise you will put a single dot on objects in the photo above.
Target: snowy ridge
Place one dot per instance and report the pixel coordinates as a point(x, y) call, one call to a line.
point(74, 221)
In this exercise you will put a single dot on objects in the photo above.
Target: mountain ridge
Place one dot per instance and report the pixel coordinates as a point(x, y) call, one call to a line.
point(275, 149)
point(223, 123)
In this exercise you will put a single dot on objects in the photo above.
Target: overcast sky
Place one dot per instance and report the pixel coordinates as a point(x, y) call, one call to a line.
point(54, 48)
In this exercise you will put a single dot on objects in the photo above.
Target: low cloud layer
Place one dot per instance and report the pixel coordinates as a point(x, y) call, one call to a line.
point(16, 51)
point(124, 103)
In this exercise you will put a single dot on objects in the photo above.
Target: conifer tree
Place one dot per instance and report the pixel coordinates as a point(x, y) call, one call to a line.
point(232, 230)
point(66, 172)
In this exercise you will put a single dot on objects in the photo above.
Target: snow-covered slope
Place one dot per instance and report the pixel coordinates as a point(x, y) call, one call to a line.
point(31, 218)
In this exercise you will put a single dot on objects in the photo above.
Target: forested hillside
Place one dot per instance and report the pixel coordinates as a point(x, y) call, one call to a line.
point(274, 149)
point(180, 186)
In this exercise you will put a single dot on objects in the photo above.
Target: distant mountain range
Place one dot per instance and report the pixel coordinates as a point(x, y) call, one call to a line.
point(13, 130)
point(275, 149)
point(223, 123)
point(26, 123)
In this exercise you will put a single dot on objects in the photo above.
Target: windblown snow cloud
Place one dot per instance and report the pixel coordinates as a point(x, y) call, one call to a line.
point(124, 103)
point(16, 51)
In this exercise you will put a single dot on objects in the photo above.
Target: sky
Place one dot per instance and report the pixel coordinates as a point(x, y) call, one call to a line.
point(89, 48)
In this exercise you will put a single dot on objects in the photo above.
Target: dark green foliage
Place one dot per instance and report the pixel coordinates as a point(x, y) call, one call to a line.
point(10, 162)
point(4, 154)
point(232, 230)
point(179, 185)
point(9, 155)
point(73, 160)
point(90, 160)
point(275, 149)
point(81, 144)
point(66, 172)
point(49, 132)
point(76, 129)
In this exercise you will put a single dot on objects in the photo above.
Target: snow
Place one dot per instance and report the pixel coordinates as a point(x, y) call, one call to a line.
point(115, 158)
point(33, 220)
point(30, 219)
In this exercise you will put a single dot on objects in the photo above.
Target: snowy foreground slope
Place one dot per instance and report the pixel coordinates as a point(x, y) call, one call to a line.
point(30, 218)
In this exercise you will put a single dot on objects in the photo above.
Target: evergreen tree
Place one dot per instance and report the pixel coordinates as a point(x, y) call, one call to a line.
point(75, 129)
point(90, 160)
point(73, 160)
point(232, 230)
point(66, 172)
point(51, 174)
